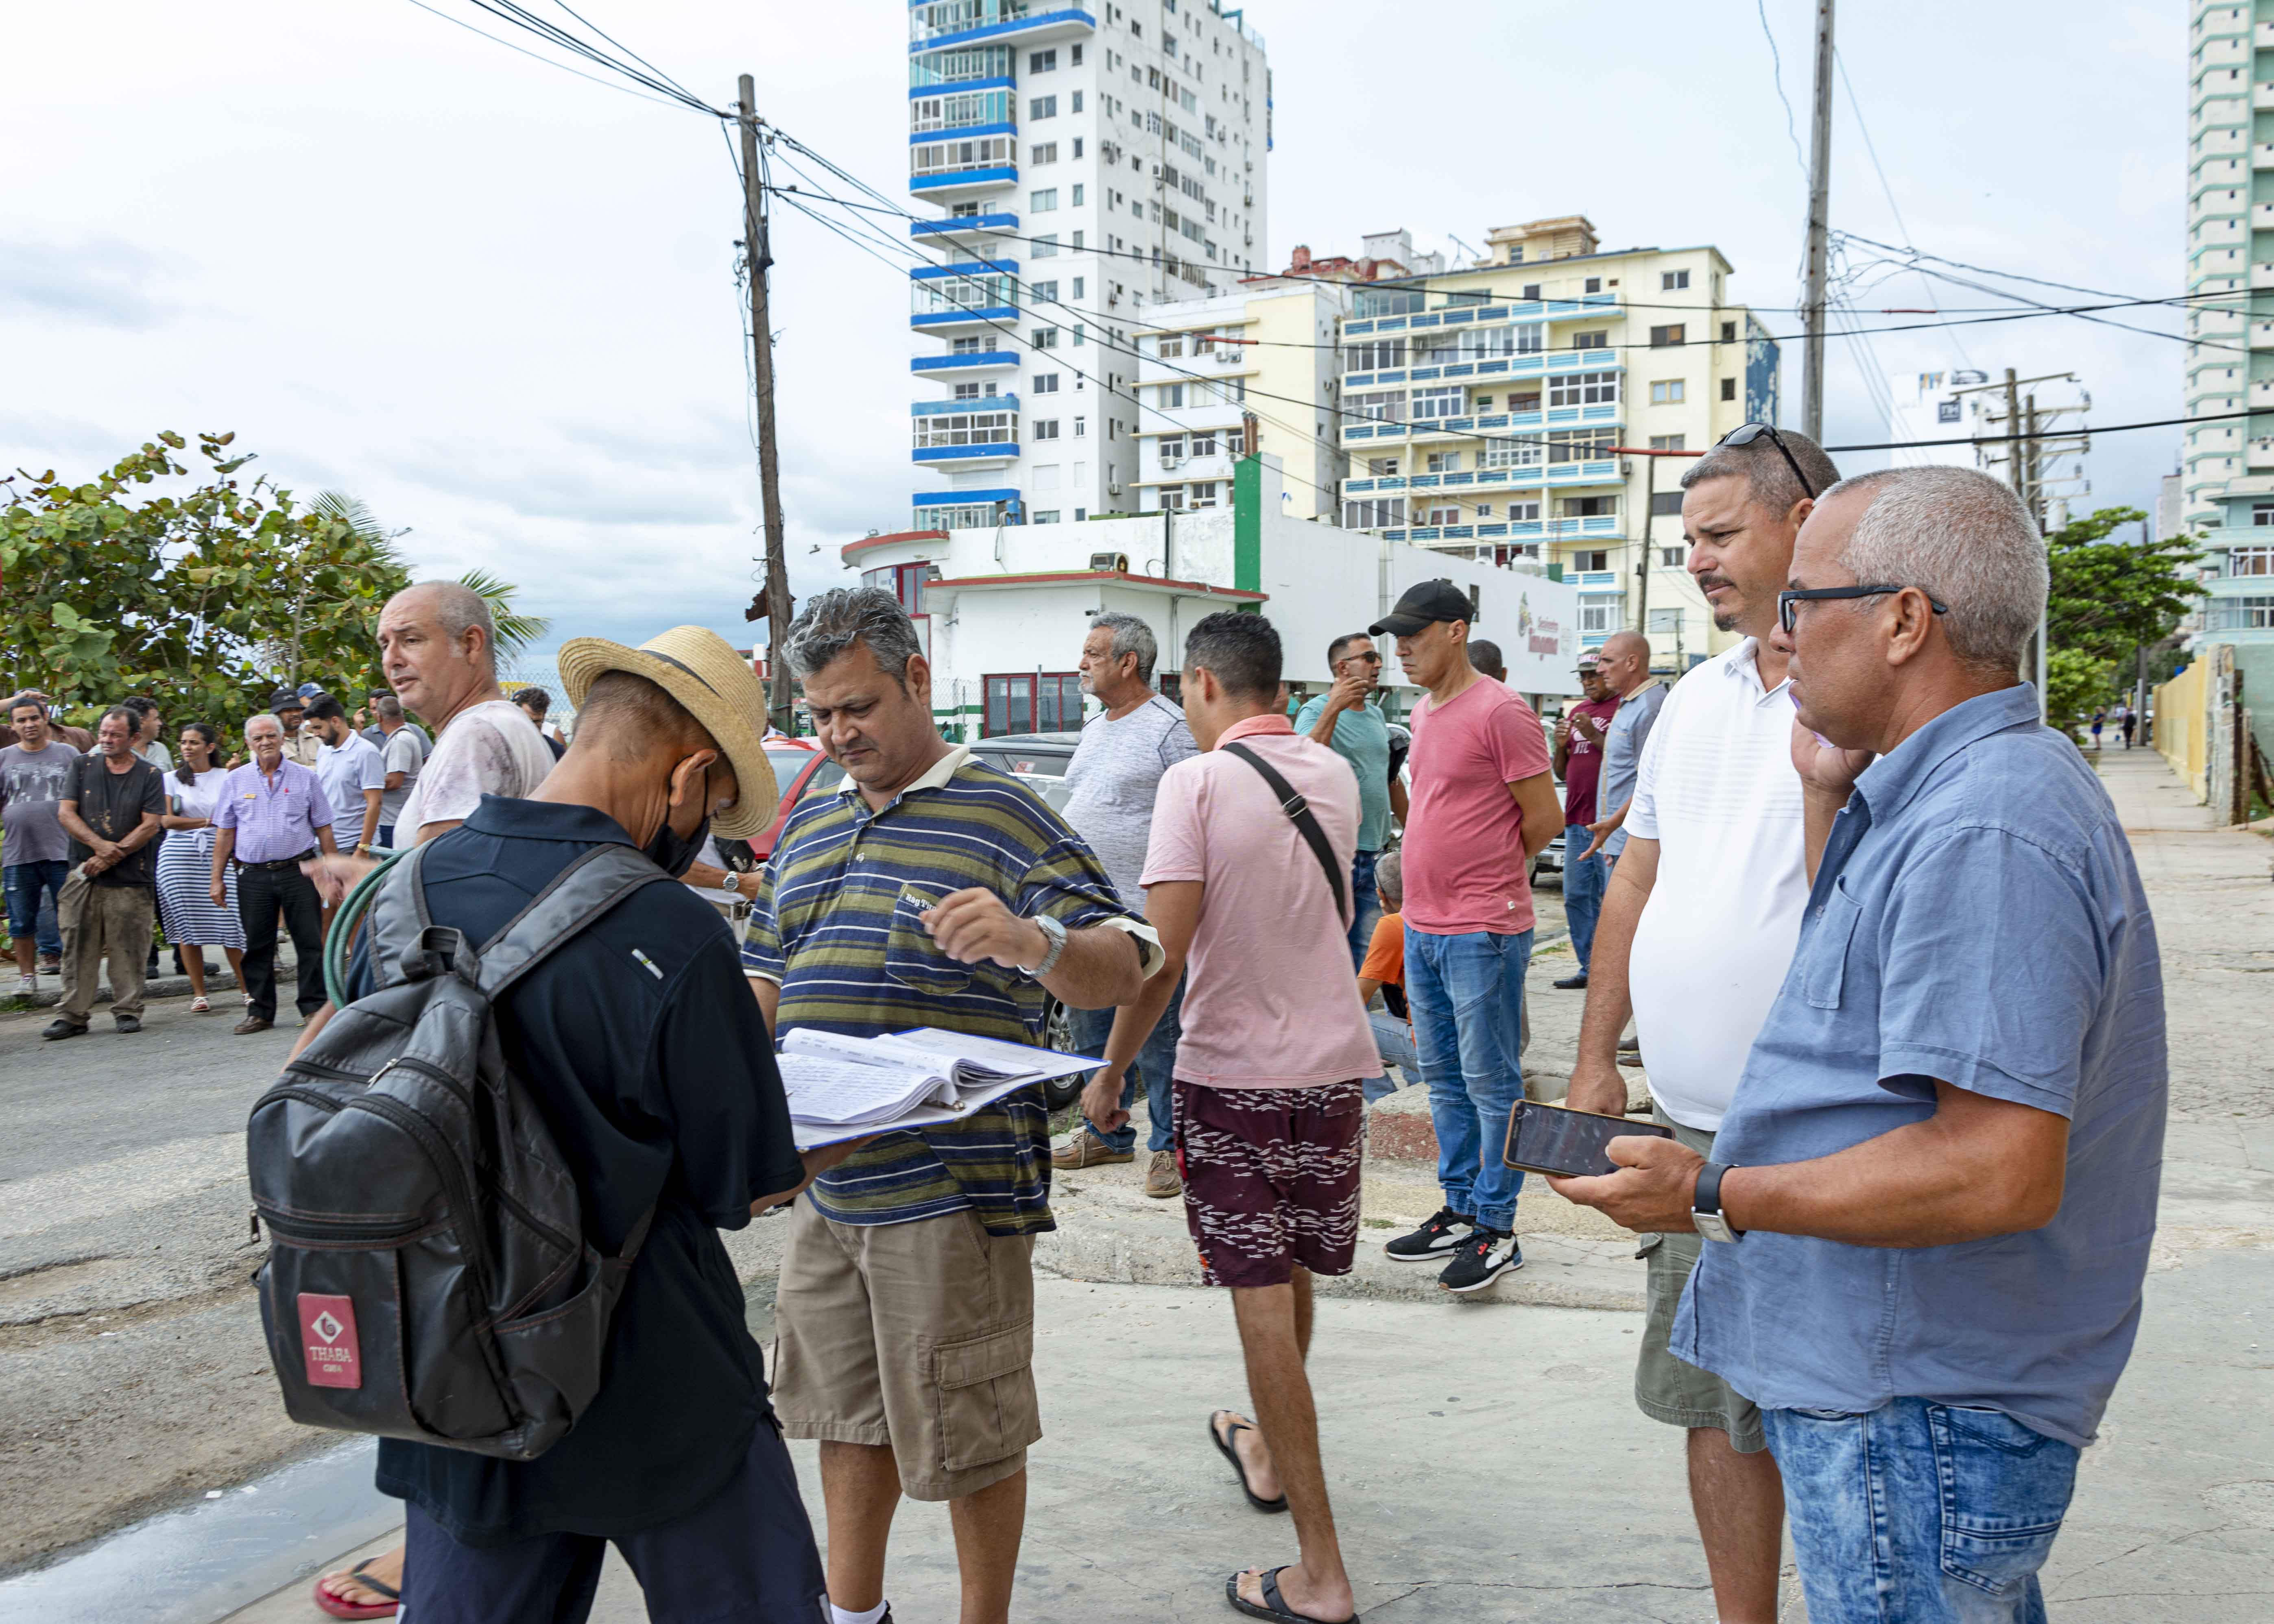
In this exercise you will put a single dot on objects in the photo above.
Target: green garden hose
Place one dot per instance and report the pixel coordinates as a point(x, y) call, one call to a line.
point(337, 943)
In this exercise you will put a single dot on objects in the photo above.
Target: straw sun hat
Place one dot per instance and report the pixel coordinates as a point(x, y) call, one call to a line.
point(702, 672)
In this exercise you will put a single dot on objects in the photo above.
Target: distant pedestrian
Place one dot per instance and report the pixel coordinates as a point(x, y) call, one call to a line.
point(370, 723)
point(1485, 655)
point(535, 704)
point(150, 729)
point(1579, 738)
point(403, 752)
point(290, 707)
point(1111, 785)
point(1384, 973)
point(110, 808)
point(1622, 666)
point(1484, 807)
point(1348, 720)
point(2099, 721)
point(1271, 1114)
point(2128, 719)
point(353, 774)
point(1929, 1211)
point(269, 817)
point(35, 774)
point(193, 920)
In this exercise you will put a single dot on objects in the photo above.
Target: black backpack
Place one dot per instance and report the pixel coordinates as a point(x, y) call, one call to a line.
point(428, 1276)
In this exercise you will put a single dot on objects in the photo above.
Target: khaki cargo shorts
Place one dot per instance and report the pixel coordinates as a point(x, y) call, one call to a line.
point(916, 1337)
point(1666, 1388)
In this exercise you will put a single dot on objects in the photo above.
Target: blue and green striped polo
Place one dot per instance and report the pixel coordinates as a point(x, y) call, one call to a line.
point(836, 925)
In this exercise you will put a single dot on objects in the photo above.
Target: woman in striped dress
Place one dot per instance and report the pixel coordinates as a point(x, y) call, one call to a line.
point(185, 865)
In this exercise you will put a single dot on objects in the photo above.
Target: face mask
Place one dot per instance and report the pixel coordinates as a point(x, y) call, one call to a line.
point(673, 853)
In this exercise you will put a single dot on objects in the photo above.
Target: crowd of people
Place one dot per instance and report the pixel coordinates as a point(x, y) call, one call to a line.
point(1894, 1236)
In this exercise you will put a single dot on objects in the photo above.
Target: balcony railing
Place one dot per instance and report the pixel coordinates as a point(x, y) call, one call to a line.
point(936, 24)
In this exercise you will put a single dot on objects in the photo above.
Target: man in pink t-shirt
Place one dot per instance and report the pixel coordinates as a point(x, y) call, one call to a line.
point(1269, 1111)
point(1482, 807)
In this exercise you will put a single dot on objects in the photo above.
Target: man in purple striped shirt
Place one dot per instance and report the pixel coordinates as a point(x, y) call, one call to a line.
point(271, 813)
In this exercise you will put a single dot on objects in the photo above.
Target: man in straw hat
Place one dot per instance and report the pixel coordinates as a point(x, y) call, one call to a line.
point(931, 890)
point(654, 1072)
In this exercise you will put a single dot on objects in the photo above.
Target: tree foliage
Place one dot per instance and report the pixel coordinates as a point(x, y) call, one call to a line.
point(2110, 597)
point(205, 600)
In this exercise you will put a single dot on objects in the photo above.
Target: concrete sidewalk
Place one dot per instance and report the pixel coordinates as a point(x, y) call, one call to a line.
point(1486, 1460)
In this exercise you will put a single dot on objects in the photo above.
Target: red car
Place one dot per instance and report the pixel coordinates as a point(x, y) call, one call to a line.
point(800, 769)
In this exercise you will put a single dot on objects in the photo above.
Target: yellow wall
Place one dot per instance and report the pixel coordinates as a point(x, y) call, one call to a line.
point(2182, 727)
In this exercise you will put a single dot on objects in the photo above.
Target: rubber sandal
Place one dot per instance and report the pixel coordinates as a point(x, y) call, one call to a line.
point(201, 1005)
point(1275, 1606)
point(1222, 1441)
point(340, 1609)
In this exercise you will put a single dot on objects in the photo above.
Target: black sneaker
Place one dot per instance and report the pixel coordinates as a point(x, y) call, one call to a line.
point(1571, 982)
point(60, 1027)
point(128, 1023)
point(1483, 1257)
point(1432, 1240)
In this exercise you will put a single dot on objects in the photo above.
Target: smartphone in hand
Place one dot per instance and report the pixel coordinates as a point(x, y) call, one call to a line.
point(1548, 1139)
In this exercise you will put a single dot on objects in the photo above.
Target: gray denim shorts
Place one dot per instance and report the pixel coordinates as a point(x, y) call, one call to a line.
point(1666, 1388)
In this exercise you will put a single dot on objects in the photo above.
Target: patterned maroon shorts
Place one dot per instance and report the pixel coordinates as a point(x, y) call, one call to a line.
point(1272, 1179)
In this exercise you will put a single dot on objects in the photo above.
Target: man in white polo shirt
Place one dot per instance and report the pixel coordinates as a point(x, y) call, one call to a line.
point(1698, 929)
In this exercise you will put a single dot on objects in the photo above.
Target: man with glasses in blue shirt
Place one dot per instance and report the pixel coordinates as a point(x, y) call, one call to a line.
point(1928, 1206)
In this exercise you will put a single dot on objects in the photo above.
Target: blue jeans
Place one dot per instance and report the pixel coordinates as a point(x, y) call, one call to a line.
point(1393, 1041)
point(28, 884)
point(1582, 891)
point(1156, 1068)
point(1929, 1513)
point(1366, 905)
point(1466, 992)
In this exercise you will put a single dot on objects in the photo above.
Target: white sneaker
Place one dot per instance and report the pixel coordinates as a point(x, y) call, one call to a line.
point(26, 985)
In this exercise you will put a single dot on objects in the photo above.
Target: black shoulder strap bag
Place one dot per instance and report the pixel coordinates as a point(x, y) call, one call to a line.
point(1299, 813)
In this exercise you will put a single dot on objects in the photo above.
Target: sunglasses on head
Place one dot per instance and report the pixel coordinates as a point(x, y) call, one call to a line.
point(1745, 434)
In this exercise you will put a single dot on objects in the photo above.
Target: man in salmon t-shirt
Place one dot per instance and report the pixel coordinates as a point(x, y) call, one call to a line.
point(1482, 807)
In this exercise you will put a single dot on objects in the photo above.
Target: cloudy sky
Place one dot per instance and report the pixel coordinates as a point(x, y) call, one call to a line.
point(495, 302)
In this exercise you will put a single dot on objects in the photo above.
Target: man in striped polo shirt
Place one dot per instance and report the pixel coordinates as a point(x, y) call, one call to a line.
point(931, 890)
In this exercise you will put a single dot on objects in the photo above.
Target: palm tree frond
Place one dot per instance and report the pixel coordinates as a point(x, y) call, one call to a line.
point(514, 630)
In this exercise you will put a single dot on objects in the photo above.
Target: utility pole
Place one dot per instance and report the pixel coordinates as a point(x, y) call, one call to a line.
point(1649, 506)
point(756, 257)
point(2019, 479)
point(1820, 233)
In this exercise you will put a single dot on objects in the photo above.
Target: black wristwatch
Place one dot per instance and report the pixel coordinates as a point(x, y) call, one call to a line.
point(1705, 1206)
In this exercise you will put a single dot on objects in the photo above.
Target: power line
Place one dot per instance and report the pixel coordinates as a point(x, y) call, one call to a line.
point(1776, 70)
point(1995, 441)
point(1871, 151)
point(534, 57)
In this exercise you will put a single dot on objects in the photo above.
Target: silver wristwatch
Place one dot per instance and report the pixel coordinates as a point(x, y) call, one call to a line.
point(732, 885)
point(1056, 934)
point(1705, 1206)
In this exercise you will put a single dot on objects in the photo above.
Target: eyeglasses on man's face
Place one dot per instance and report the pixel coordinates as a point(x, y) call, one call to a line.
point(1788, 603)
point(1745, 434)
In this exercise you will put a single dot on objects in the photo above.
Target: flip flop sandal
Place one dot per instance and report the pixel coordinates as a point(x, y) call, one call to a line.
point(340, 1608)
point(1275, 1606)
point(201, 1006)
point(1222, 1441)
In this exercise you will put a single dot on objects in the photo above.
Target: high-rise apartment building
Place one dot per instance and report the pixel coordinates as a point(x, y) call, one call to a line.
point(1491, 411)
point(1088, 164)
point(2227, 468)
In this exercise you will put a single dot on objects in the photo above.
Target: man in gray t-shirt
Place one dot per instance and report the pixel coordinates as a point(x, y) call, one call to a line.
point(34, 777)
point(1623, 667)
point(403, 750)
point(1112, 782)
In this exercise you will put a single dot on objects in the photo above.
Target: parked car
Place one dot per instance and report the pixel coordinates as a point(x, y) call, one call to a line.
point(1036, 760)
point(800, 769)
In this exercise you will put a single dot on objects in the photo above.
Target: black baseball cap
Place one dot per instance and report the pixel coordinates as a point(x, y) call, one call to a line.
point(285, 699)
point(1431, 600)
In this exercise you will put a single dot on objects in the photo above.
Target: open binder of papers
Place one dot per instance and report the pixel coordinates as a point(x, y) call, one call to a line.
point(843, 1087)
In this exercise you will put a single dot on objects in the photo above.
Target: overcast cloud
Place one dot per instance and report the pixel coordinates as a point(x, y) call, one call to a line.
point(496, 303)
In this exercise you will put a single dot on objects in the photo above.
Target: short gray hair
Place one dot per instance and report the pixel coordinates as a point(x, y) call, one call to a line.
point(845, 615)
point(388, 705)
point(1131, 635)
point(1767, 475)
point(259, 717)
point(1390, 875)
point(1966, 541)
point(460, 609)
